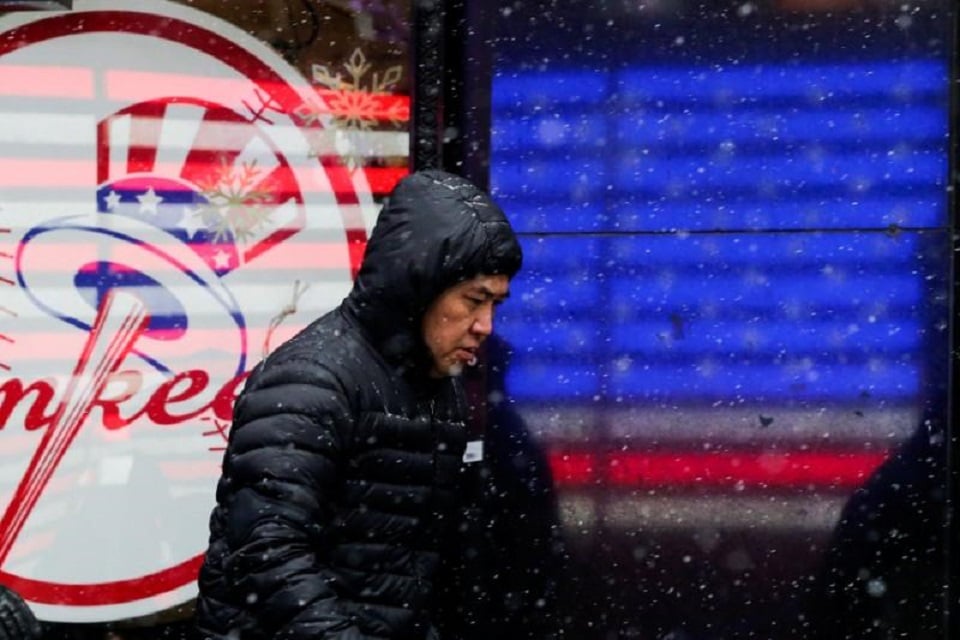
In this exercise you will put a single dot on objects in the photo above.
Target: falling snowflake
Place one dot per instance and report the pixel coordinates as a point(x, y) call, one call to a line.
point(236, 204)
point(357, 101)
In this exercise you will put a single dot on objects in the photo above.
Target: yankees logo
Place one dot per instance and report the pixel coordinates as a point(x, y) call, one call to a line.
point(146, 256)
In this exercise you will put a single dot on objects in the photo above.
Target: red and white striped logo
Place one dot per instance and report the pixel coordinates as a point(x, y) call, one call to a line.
point(168, 212)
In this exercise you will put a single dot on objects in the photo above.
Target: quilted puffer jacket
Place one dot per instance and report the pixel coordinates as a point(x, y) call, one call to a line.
point(339, 497)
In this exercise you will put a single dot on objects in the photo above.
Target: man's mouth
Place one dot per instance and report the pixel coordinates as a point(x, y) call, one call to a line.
point(468, 356)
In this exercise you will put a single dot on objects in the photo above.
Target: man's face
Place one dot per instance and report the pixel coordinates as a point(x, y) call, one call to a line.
point(459, 320)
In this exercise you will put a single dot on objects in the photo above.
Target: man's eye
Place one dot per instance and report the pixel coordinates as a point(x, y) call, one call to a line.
point(476, 301)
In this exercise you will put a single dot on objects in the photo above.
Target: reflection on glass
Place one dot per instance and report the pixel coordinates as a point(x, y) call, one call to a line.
point(183, 185)
point(882, 574)
point(730, 332)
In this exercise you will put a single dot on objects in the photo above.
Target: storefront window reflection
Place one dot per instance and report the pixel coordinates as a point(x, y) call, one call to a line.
point(730, 333)
point(183, 185)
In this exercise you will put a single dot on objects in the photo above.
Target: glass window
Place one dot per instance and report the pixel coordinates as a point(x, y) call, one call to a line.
point(730, 334)
point(183, 185)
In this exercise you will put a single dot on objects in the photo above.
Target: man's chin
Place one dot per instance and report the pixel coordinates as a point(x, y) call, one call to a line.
point(450, 371)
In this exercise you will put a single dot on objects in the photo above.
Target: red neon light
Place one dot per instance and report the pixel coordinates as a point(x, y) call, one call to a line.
point(131, 86)
point(573, 468)
point(795, 469)
point(367, 104)
point(118, 592)
point(128, 86)
point(46, 82)
point(383, 180)
point(356, 246)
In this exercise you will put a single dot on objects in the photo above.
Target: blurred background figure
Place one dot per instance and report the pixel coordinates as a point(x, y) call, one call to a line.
point(523, 556)
point(882, 575)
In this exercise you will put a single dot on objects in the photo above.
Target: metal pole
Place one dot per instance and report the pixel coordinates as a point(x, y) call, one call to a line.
point(952, 548)
point(469, 46)
point(427, 65)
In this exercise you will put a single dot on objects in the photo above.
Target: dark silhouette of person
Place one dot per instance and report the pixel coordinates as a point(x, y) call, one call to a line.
point(515, 533)
point(884, 571)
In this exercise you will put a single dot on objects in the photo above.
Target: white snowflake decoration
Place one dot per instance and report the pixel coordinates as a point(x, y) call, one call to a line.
point(355, 102)
point(236, 202)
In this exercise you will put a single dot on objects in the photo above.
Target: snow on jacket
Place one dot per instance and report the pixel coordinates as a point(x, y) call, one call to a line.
point(339, 494)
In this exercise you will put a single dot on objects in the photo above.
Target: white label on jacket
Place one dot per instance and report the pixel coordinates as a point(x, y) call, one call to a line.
point(473, 452)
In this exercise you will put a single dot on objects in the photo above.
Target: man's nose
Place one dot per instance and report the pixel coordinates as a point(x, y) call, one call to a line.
point(483, 322)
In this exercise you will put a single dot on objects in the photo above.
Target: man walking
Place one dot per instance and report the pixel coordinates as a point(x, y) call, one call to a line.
point(337, 508)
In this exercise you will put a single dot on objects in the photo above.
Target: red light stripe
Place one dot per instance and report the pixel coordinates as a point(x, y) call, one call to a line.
point(128, 86)
point(53, 346)
point(77, 82)
point(356, 246)
point(32, 172)
point(145, 125)
point(573, 468)
point(120, 591)
point(800, 469)
point(51, 173)
point(46, 82)
point(383, 180)
point(378, 106)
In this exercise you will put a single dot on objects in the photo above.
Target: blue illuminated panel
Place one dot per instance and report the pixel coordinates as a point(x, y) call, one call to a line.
point(760, 317)
point(769, 147)
point(809, 292)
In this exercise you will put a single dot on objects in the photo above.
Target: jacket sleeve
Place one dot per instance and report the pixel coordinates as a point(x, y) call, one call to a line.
point(281, 469)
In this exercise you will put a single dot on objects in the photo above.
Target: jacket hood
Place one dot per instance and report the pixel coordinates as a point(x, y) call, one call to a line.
point(435, 230)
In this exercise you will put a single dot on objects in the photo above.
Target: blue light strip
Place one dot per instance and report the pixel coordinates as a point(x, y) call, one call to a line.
point(851, 172)
point(661, 339)
point(924, 207)
point(718, 379)
point(786, 252)
point(585, 127)
point(526, 89)
point(816, 84)
point(550, 381)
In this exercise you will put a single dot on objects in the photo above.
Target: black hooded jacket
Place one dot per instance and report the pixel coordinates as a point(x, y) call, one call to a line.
point(340, 490)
